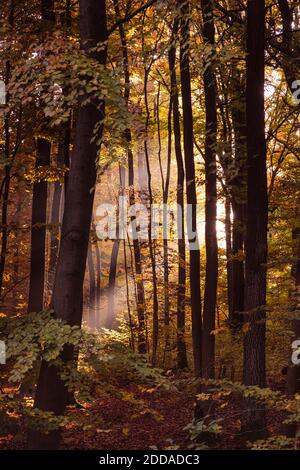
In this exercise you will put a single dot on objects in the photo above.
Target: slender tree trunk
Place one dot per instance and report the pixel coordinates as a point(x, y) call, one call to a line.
point(39, 207)
point(165, 242)
point(211, 279)
point(63, 151)
point(98, 281)
point(238, 198)
point(5, 197)
point(142, 343)
point(16, 264)
point(188, 138)
point(290, 56)
point(52, 394)
point(111, 314)
point(130, 319)
point(228, 236)
point(181, 289)
point(257, 218)
point(142, 176)
point(7, 176)
point(155, 329)
point(38, 232)
point(92, 288)
point(165, 183)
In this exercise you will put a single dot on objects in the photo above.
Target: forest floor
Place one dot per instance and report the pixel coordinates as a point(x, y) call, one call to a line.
point(144, 419)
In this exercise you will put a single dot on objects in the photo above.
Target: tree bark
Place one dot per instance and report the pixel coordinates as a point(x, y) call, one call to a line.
point(238, 198)
point(257, 218)
point(228, 236)
point(290, 56)
point(39, 207)
point(211, 278)
point(7, 177)
point(165, 185)
point(142, 343)
point(155, 329)
point(62, 159)
point(92, 288)
point(38, 232)
point(181, 289)
point(188, 139)
point(98, 281)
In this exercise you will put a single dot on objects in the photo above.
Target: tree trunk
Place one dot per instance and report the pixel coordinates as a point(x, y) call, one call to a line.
point(111, 314)
point(228, 236)
point(155, 329)
point(165, 184)
point(257, 218)
point(92, 289)
point(5, 186)
point(98, 281)
point(130, 319)
point(181, 289)
point(211, 279)
point(52, 394)
point(238, 198)
point(62, 159)
point(290, 56)
point(39, 207)
point(142, 343)
point(38, 232)
point(188, 138)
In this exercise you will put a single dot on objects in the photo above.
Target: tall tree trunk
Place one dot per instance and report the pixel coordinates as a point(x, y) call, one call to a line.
point(188, 138)
point(142, 343)
point(238, 199)
point(5, 196)
point(62, 159)
point(39, 207)
point(290, 56)
point(181, 289)
point(5, 186)
point(38, 231)
point(257, 217)
point(52, 394)
point(98, 280)
point(155, 329)
point(211, 279)
point(111, 314)
point(130, 318)
point(92, 288)
point(228, 237)
point(165, 184)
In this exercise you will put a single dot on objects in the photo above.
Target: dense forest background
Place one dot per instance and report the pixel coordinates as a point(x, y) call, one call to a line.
point(163, 342)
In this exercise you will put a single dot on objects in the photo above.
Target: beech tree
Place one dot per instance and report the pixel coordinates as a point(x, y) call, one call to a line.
point(257, 213)
point(51, 392)
point(188, 142)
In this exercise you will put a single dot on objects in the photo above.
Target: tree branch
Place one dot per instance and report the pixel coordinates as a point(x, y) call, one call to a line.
point(130, 16)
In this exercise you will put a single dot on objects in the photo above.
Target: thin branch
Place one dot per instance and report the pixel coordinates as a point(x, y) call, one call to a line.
point(131, 16)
